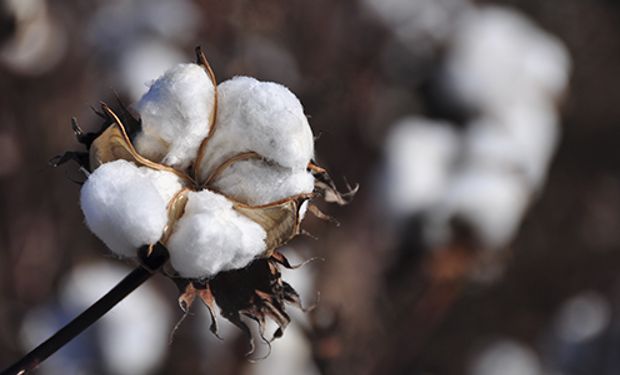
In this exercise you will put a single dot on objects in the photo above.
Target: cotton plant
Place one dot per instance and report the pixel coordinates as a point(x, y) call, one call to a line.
point(510, 75)
point(204, 184)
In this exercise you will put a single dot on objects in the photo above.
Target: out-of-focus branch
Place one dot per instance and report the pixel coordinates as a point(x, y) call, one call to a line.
point(156, 258)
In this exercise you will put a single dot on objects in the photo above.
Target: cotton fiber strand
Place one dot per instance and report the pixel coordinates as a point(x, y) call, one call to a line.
point(262, 117)
point(123, 207)
point(257, 182)
point(212, 237)
point(176, 114)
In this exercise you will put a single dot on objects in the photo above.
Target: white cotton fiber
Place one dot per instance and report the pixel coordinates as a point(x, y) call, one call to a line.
point(500, 56)
point(122, 332)
point(419, 24)
point(175, 114)
point(212, 237)
point(123, 207)
point(522, 138)
point(420, 155)
point(491, 201)
point(257, 182)
point(166, 183)
point(263, 117)
point(506, 357)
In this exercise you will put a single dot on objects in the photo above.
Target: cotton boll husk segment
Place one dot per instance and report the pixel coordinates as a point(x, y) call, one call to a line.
point(261, 117)
point(123, 206)
point(257, 182)
point(212, 237)
point(176, 115)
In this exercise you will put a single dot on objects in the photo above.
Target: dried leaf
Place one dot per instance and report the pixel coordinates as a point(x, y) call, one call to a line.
point(280, 221)
point(109, 146)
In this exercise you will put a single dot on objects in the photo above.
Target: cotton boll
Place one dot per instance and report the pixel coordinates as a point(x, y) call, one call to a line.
point(257, 182)
point(123, 331)
point(123, 207)
point(212, 237)
point(147, 59)
point(38, 43)
point(506, 357)
point(263, 117)
point(490, 200)
point(521, 138)
point(176, 113)
point(583, 317)
point(420, 157)
point(500, 57)
point(419, 23)
point(166, 183)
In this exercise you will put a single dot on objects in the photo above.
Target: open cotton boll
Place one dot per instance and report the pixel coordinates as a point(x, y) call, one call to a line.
point(500, 56)
point(420, 24)
point(176, 114)
point(123, 207)
point(521, 138)
point(122, 332)
point(257, 182)
point(420, 156)
point(506, 357)
point(139, 64)
point(212, 237)
point(166, 183)
point(263, 117)
point(491, 201)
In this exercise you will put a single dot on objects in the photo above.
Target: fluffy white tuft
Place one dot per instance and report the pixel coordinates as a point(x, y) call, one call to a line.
point(123, 207)
point(175, 113)
point(263, 117)
point(166, 183)
point(501, 57)
point(421, 154)
point(257, 182)
point(522, 138)
point(212, 237)
point(492, 201)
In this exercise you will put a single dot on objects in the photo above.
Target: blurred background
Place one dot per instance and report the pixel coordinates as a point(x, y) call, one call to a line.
point(485, 237)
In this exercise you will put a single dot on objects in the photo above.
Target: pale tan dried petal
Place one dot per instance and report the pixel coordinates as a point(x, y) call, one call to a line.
point(280, 220)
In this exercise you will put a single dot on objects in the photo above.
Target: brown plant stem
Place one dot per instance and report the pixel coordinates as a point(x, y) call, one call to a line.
point(156, 258)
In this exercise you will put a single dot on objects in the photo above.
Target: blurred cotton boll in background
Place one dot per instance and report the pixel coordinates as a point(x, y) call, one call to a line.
point(148, 59)
point(419, 24)
point(522, 138)
point(37, 42)
point(510, 75)
point(583, 317)
point(143, 41)
point(500, 57)
point(506, 357)
point(421, 154)
point(130, 340)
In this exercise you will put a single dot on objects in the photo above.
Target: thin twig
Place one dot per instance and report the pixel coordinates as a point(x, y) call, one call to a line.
point(132, 281)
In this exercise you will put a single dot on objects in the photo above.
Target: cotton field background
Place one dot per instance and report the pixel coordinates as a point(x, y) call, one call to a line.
point(484, 136)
